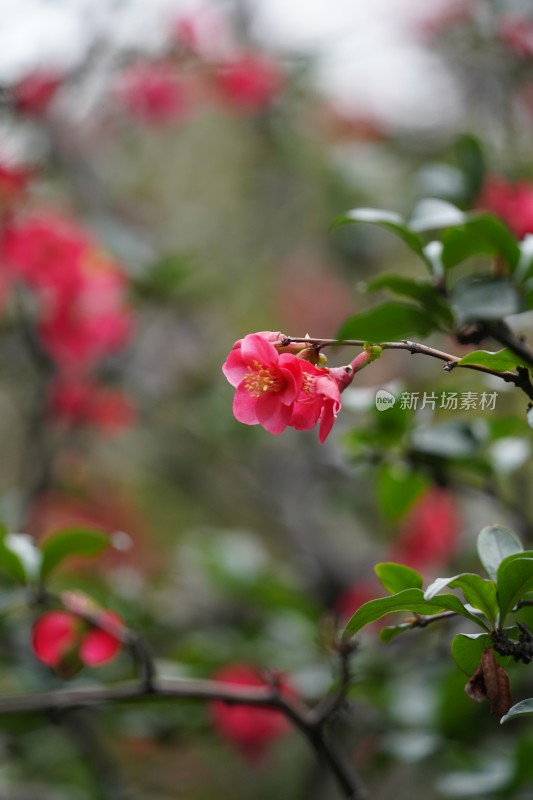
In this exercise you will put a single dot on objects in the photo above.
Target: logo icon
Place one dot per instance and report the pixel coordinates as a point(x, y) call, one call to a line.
point(384, 400)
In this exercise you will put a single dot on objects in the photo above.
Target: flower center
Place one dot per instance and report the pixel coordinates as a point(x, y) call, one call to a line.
point(260, 379)
point(309, 387)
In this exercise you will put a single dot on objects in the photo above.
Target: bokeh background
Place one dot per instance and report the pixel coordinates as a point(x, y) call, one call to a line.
point(204, 149)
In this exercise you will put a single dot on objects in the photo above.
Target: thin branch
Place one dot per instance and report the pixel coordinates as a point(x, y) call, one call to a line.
point(423, 620)
point(520, 378)
point(170, 688)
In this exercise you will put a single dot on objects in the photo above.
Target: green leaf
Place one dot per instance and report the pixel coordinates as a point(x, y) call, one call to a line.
point(467, 649)
point(397, 489)
point(495, 543)
point(408, 600)
point(423, 292)
point(501, 360)
point(521, 709)
point(71, 542)
point(164, 280)
point(471, 160)
point(514, 580)
point(385, 219)
point(10, 561)
point(387, 321)
point(477, 591)
point(397, 577)
point(485, 299)
point(433, 214)
point(482, 234)
point(392, 631)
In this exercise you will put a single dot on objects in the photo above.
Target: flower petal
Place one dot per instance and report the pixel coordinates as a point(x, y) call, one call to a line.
point(255, 348)
point(53, 635)
point(244, 406)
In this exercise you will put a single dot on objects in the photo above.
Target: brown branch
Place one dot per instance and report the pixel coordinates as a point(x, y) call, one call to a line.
point(520, 378)
point(170, 688)
point(423, 620)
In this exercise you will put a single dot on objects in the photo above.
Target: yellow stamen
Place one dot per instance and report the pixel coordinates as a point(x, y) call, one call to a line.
point(259, 379)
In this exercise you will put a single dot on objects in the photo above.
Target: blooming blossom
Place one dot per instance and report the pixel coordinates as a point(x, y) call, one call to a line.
point(34, 93)
point(516, 34)
point(77, 400)
point(249, 83)
point(267, 383)
point(249, 729)
point(152, 93)
point(513, 202)
point(13, 184)
point(64, 641)
point(82, 310)
point(429, 535)
point(277, 389)
point(319, 399)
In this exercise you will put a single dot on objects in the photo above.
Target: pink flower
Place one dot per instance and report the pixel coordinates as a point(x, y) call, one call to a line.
point(152, 93)
point(512, 202)
point(76, 401)
point(430, 533)
point(13, 184)
point(250, 729)
point(267, 383)
point(82, 309)
point(516, 33)
point(62, 640)
point(44, 251)
point(319, 399)
point(249, 83)
point(34, 93)
point(320, 395)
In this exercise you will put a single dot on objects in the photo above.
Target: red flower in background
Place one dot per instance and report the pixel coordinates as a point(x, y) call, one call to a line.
point(35, 92)
point(250, 729)
point(512, 202)
point(76, 400)
point(152, 93)
point(82, 314)
point(249, 83)
point(430, 533)
point(44, 250)
point(62, 640)
point(352, 598)
point(13, 184)
point(516, 34)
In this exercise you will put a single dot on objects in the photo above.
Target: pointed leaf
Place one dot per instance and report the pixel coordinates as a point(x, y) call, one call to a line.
point(408, 600)
point(385, 219)
point(422, 291)
point(433, 214)
point(514, 581)
point(467, 649)
point(520, 709)
point(397, 577)
point(482, 234)
point(392, 631)
point(71, 542)
point(11, 562)
point(501, 360)
point(387, 321)
point(478, 592)
point(495, 543)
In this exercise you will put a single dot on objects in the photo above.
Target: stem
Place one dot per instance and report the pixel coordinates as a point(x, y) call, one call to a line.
point(520, 378)
point(171, 688)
